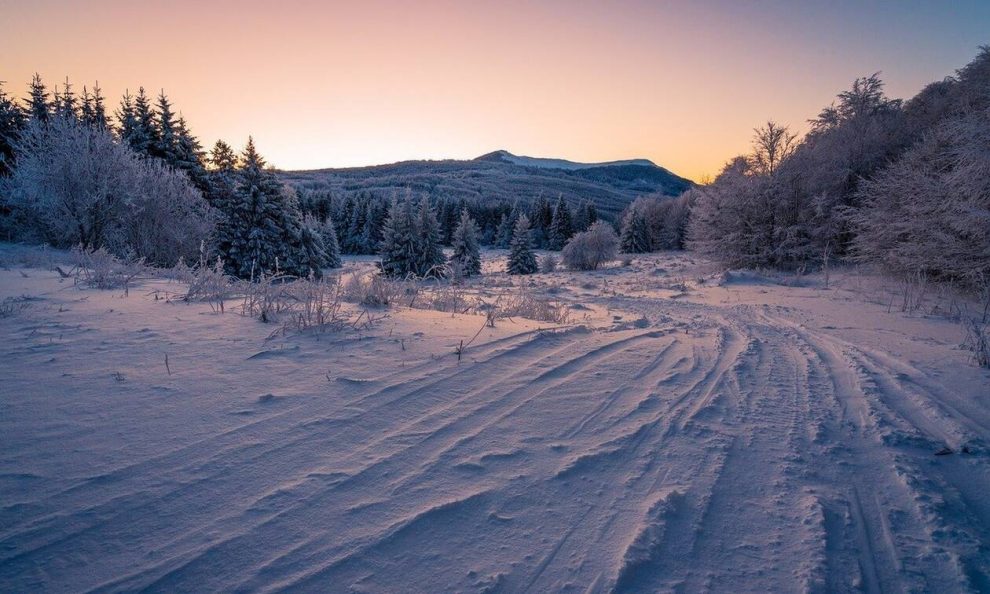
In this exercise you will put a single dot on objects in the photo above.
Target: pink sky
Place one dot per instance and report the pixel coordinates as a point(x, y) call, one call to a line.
point(324, 84)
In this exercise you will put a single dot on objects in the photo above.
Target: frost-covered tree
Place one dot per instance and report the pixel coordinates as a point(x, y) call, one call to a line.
point(12, 121)
point(166, 138)
point(399, 256)
point(140, 132)
point(329, 235)
point(39, 107)
point(521, 257)
point(64, 103)
point(262, 223)
point(635, 234)
point(466, 259)
point(929, 213)
point(73, 185)
point(430, 258)
point(592, 248)
point(561, 226)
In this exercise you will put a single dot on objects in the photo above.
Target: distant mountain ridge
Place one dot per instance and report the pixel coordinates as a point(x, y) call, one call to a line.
point(501, 175)
point(547, 163)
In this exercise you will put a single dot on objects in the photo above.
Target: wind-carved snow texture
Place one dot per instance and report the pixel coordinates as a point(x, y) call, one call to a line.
point(724, 447)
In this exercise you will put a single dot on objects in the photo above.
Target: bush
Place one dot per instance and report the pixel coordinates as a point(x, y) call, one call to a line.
point(591, 249)
point(73, 185)
point(549, 263)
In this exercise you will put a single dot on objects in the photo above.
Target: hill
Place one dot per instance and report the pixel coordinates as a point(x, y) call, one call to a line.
point(500, 175)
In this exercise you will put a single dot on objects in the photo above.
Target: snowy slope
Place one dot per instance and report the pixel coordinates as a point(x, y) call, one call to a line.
point(743, 437)
point(545, 163)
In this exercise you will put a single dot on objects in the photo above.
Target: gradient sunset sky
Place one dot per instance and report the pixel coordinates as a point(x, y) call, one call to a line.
point(329, 84)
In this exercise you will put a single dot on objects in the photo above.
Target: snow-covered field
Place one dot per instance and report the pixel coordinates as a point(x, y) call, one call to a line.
point(682, 432)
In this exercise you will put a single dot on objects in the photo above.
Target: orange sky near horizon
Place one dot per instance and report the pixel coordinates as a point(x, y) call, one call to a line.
point(333, 84)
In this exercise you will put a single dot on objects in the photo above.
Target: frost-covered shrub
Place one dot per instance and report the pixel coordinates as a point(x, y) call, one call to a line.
point(74, 185)
point(929, 213)
point(548, 263)
point(592, 248)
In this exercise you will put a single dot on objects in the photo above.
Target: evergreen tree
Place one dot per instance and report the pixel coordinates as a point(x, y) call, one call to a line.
point(506, 227)
point(65, 102)
point(584, 216)
point(99, 117)
point(86, 107)
point(466, 259)
point(12, 121)
point(143, 136)
point(332, 247)
point(314, 256)
point(222, 191)
point(38, 106)
point(189, 155)
point(561, 227)
point(634, 238)
point(354, 240)
point(398, 248)
point(430, 258)
point(521, 257)
point(165, 141)
point(127, 123)
point(262, 224)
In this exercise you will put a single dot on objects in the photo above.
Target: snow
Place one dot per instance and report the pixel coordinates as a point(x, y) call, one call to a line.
point(546, 163)
point(687, 431)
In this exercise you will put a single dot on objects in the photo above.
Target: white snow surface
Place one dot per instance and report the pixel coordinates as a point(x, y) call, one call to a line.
point(678, 435)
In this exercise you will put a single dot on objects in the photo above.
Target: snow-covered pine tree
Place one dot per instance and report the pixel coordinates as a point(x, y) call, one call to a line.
point(330, 243)
point(398, 248)
point(126, 119)
point(143, 136)
point(521, 257)
point(466, 259)
point(262, 224)
point(354, 240)
point(12, 121)
point(166, 141)
point(561, 227)
point(430, 258)
point(99, 118)
point(634, 237)
point(65, 102)
point(506, 227)
point(38, 106)
point(314, 256)
point(86, 107)
point(189, 155)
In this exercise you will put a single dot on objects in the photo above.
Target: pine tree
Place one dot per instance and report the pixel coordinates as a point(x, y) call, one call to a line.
point(262, 226)
point(189, 155)
point(314, 256)
point(65, 102)
point(329, 235)
point(126, 119)
point(398, 249)
point(506, 226)
point(430, 258)
point(584, 216)
point(561, 228)
point(143, 136)
point(99, 118)
point(86, 107)
point(166, 138)
point(38, 106)
point(634, 237)
point(521, 257)
point(12, 121)
point(354, 239)
point(466, 259)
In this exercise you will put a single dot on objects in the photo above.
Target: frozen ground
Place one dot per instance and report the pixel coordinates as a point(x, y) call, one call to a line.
point(735, 436)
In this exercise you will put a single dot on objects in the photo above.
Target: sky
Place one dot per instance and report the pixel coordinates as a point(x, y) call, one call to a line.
point(337, 84)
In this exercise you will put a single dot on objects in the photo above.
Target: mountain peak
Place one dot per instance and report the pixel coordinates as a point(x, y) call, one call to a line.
point(504, 156)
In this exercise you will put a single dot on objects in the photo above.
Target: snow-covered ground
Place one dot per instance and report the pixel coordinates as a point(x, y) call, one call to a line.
point(684, 431)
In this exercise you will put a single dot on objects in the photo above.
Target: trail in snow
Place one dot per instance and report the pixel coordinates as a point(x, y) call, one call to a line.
point(722, 447)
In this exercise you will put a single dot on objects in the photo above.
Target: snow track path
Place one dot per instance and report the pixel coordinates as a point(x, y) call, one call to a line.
point(716, 448)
